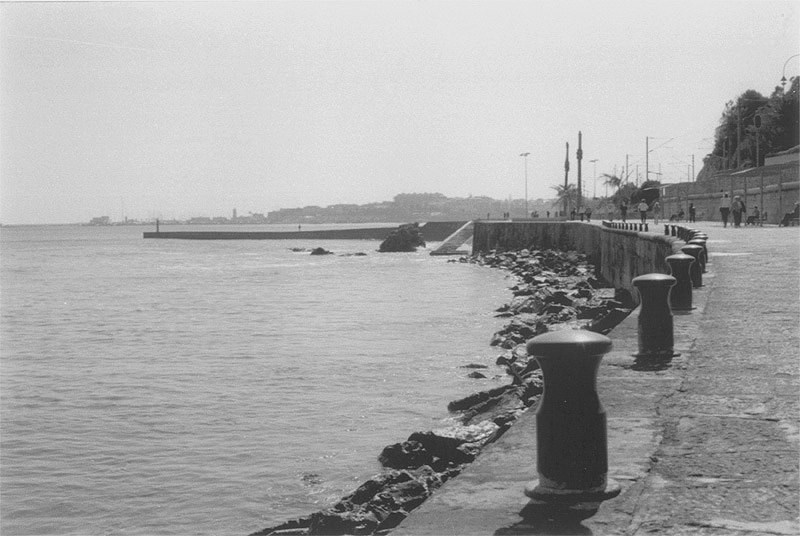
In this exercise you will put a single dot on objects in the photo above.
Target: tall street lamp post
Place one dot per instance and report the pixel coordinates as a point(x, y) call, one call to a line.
point(566, 182)
point(783, 77)
point(525, 156)
point(579, 156)
point(594, 164)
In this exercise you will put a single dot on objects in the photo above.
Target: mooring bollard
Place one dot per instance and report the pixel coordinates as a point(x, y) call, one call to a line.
point(696, 270)
point(666, 229)
point(703, 257)
point(572, 447)
point(655, 317)
point(680, 296)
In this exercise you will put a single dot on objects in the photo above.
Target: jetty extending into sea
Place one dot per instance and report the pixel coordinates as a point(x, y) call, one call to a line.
point(434, 231)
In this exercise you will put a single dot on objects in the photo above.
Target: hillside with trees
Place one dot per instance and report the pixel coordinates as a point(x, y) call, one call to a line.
point(779, 129)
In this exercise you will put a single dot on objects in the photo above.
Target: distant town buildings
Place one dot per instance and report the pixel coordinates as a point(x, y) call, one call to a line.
point(403, 208)
point(100, 220)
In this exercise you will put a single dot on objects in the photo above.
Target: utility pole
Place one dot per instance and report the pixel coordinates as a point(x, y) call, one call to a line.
point(525, 156)
point(594, 163)
point(579, 155)
point(566, 183)
point(724, 154)
point(738, 133)
point(757, 125)
point(626, 169)
point(646, 158)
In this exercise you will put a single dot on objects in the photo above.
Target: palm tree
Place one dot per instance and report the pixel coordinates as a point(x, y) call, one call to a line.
point(612, 180)
point(565, 196)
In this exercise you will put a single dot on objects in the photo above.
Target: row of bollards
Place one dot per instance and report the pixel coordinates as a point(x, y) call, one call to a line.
point(572, 447)
point(627, 226)
point(679, 231)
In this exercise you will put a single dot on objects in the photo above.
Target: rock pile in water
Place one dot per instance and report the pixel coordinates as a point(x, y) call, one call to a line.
point(555, 290)
point(407, 237)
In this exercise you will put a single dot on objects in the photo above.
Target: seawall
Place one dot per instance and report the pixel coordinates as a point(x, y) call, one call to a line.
point(619, 255)
point(431, 231)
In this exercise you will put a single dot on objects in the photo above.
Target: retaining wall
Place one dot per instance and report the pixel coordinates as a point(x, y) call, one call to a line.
point(619, 255)
point(774, 188)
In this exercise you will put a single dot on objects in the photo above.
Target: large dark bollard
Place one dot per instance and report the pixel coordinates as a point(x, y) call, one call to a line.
point(703, 257)
point(656, 337)
point(572, 450)
point(702, 236)
point(696, 270)
point(680, 296)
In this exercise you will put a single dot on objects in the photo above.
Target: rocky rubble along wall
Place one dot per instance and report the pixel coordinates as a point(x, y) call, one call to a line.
point(554, 290)
point(619, 255)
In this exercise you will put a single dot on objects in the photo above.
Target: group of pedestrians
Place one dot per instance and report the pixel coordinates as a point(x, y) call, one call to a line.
point(737, 209)
point(643, 207)
point(734, 209)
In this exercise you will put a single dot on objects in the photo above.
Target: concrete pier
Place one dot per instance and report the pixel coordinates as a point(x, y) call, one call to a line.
point(431, 231)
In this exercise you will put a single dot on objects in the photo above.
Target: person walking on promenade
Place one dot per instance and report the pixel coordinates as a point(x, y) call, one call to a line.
point(692, 212)
point(643, 210)
point(623, 209)
point(725, 209)
point(656, 211)
point(738, 208)
point(588, 213)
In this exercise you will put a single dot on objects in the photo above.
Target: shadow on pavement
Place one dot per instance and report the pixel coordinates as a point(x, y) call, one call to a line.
point(538, 518)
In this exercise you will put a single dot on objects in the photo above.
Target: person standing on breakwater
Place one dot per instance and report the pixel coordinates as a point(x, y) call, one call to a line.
point(724, 209)
point(588, 213)
point(738, 209)
point(623, 209)
point(643, 210)
point(656, 211)
point(692, 212)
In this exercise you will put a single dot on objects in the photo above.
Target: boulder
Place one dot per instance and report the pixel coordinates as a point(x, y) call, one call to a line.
point(321, 251)
point(406, 238)
point(406, 455)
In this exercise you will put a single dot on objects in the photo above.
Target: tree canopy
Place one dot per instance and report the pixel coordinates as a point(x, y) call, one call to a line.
point(779, 129)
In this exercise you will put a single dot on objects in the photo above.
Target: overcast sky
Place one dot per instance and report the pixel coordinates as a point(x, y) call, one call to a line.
point(186, 109)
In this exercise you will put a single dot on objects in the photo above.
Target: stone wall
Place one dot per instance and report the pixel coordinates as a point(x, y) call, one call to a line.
point(619, 255)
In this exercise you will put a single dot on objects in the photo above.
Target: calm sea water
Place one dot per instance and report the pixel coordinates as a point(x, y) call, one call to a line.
point(217, 387)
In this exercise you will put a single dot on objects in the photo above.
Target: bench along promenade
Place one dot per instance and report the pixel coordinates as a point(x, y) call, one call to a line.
point(702, 437)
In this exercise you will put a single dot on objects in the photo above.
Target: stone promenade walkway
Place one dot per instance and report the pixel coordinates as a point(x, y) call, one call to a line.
point(709, 445)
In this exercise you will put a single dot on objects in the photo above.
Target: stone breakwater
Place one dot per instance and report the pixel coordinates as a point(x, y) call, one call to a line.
point(554, 290)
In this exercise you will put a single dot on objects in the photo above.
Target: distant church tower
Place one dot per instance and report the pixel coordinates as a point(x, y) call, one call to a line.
point(234, 214)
